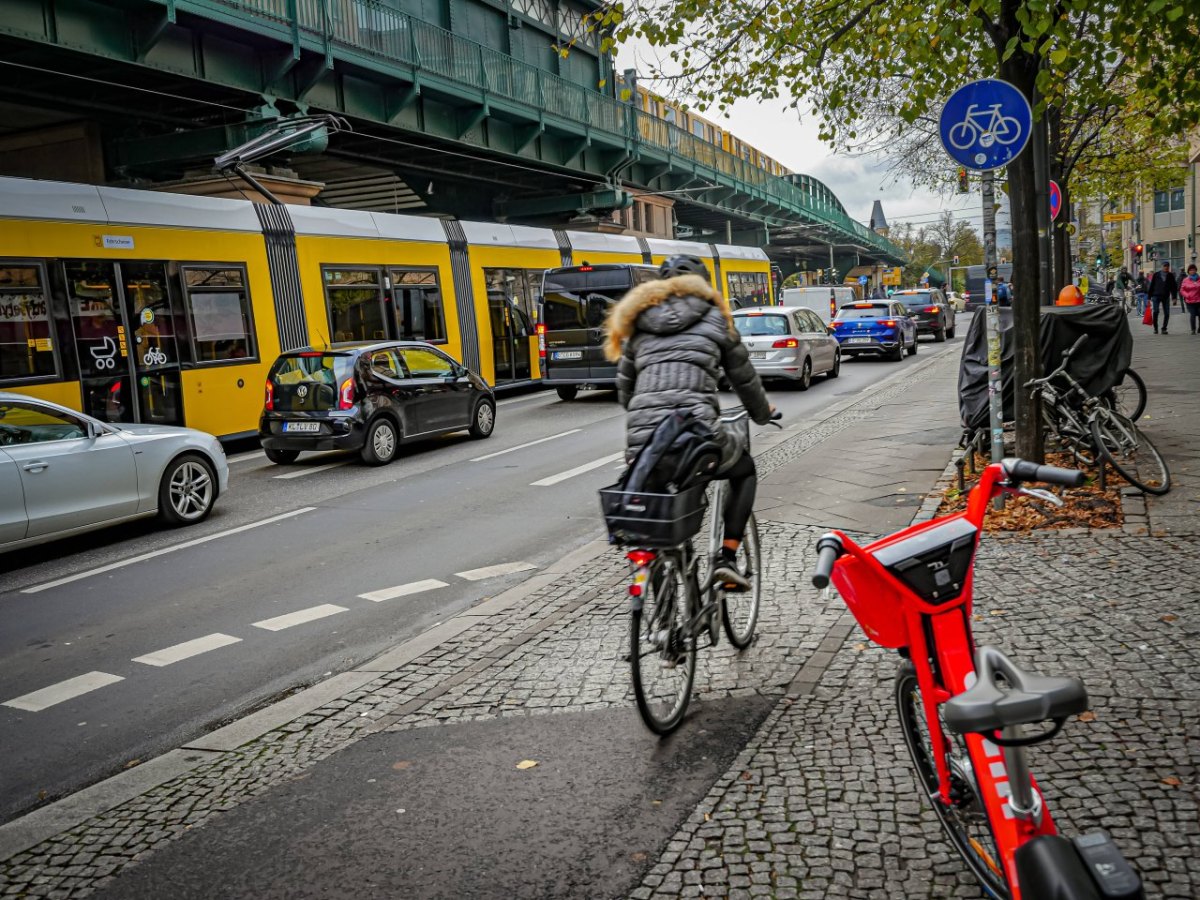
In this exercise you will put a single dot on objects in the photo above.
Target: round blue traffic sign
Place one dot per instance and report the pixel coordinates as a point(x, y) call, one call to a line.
point(1055, 200)
point(985, 124)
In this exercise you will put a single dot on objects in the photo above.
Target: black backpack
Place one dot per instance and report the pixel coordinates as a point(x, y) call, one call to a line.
point(681, 453)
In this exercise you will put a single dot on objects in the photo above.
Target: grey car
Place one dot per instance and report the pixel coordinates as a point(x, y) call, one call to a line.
point(788, 342)
point(63, 473)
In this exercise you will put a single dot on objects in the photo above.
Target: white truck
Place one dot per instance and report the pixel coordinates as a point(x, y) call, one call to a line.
point(824, 300)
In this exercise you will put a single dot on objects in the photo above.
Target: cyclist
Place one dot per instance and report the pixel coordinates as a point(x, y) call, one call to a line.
point(671, 338)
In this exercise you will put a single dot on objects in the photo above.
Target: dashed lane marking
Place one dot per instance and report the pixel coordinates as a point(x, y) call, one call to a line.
point(145, 556)
point(311, 470)
point(245, 457)
point(578, 470)
point(299, 618)
point(63, 691)
point(527, 444)
point(493, 571)
point(404, 590)
point(512, 400)
point(187, 650)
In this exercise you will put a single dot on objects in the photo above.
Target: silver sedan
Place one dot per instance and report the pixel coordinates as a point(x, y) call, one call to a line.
point(62, 473)
point(789, 342)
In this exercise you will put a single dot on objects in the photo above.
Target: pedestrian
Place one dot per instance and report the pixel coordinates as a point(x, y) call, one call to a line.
point(1163, 291)
point(1189, 291)
point(1003, 293)
point(1141, 291)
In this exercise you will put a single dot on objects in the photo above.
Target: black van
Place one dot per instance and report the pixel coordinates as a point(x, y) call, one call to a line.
point(575, 302)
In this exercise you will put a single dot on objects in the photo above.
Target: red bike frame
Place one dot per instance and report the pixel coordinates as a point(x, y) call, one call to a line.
point(940, 643)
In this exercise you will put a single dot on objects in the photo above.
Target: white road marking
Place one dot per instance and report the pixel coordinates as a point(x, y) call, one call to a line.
point(299, 618)
point(578, 470)
point(64, 690)
point(541, 395)
point(493, 571)
point(311, 470)
point(243, 457)
point(186, 650)
point(527, 444)
point(145, 556)
point(403, 590)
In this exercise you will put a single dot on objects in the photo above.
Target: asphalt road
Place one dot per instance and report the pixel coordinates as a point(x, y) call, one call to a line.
point(114, 654)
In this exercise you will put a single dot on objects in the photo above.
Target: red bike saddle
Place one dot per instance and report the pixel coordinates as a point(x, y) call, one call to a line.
point(984, 707)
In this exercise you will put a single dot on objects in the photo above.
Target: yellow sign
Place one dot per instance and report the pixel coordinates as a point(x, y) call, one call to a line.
point(1118, 217)
point(893, 276)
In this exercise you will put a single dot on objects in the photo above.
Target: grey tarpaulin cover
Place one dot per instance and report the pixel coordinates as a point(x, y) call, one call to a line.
point(1099, 365)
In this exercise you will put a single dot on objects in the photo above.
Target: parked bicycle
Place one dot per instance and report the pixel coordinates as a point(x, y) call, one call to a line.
point(1127, 397)
point(675, 610)
point(1093, 430)
point(965, 710)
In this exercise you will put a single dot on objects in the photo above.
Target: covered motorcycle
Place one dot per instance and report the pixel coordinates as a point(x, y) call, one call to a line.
point(1098, 367)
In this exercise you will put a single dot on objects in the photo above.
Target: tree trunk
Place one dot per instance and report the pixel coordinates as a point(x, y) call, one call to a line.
point(1020, 70)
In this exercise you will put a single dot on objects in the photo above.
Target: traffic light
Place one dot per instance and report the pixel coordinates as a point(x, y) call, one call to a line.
point(956, 260)
point(963, 185)
point(1099, 261)
point(1138, 249)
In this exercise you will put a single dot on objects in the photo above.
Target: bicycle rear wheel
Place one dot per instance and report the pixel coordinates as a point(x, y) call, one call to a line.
point(662, 654)
point(739, 612)
point(1130, 452)
point(965, 821)
point(1129, 397)
point(1071, 434)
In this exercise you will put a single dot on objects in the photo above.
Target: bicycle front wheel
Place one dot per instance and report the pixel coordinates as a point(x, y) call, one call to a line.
point(965, 820)
point(739, 611)
point(662, 653)
point(1129, 397)
point(1130, 452)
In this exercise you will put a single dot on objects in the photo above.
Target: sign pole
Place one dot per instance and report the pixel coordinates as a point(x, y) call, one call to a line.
point(992, 313)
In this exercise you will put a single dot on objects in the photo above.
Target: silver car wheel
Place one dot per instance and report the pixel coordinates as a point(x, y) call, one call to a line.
point(191, 491)
point(384, 442)
point(485, 418)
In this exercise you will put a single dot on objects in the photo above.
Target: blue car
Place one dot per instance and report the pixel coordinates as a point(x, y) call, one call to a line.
point(881, 327)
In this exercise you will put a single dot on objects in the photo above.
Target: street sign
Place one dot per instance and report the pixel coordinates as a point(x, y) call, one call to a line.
point(985, 124)
point(863, 279)
point(892, 276)
point(1118, 217)
point(1055, 200)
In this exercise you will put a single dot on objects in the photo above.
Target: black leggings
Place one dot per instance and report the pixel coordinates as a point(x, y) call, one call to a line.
point(739, 499)
point(1194, 316)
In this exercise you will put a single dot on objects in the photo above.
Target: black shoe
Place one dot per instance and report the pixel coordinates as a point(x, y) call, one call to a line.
point(727, 575)
point(1156, 331)
point(1164, 331)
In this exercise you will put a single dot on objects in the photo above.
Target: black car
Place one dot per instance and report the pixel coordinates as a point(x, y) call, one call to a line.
point(929, 308)
point(371, 398)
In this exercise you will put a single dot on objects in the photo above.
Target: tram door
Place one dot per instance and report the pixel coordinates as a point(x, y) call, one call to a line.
point(510, 339)
point(125, 339)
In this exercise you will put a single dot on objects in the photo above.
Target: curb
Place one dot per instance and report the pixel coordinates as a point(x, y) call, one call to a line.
point(45, 822)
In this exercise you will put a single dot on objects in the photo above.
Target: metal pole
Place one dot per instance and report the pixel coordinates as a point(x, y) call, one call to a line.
point(995, 395)
point(1041, 177)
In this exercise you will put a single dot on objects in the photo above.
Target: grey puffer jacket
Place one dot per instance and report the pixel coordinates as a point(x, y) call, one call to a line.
point(671, 338)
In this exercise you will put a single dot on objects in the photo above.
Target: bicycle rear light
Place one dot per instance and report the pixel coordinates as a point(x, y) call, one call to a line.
point(935, 562)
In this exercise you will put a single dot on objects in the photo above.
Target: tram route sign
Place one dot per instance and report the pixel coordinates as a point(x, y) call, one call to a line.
point(985, 124)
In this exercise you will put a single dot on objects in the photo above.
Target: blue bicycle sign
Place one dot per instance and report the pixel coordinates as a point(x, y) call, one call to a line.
point(985, 124)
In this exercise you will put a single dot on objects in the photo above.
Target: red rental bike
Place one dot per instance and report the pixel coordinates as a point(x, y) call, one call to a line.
point(965, 710)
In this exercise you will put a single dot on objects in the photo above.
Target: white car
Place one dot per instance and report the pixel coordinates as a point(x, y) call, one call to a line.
point(62, 473)
point(788, 342)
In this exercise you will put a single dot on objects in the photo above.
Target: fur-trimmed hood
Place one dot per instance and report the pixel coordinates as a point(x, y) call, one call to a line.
point(678, 303)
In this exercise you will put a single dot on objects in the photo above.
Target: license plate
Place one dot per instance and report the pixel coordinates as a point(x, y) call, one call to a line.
point(758, 354)
point(301, 426)
point(860, 340)
point(568, 354)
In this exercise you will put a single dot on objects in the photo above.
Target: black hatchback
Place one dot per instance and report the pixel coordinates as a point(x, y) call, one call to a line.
point(371, 398)
point(930, 310)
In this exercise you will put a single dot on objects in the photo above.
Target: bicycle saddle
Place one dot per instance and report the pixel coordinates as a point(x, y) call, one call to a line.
point(984, 707)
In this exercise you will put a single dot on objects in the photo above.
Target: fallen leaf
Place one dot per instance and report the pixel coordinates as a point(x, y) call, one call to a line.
point(1168, 617)
point(998, 612)
point(639, 857)
point(526, 764)
point(707, 817)
point(1087, 716)
point(403, 764)
point(860, 647)
point(656, 802)
point(1172, 781)
point(132, 763)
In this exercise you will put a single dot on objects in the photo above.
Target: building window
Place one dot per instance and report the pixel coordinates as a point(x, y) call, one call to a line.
point(354, 298)
point(26, 329)
point(417, 305)
point(1169, 208)
point(218, 310)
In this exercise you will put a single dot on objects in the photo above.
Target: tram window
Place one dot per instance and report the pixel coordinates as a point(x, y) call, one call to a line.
point(219, 313)
point(354, 298)
point(520, 287)
point(26, 328)
point(417, 305)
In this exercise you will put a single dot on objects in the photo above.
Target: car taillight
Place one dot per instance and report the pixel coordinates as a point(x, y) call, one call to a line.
point(541, 333)
point(933, 309)
point(888, 323)
point(785, 343)
point(346, 394)
point(269, 402)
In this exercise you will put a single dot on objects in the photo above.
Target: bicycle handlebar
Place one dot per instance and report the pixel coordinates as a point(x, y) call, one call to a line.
point(1023, 470)
point(829, 548)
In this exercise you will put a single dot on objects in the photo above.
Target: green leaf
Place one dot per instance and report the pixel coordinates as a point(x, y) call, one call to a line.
point(1059, 56)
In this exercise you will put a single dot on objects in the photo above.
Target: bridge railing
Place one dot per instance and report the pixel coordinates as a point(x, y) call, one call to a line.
point(369, 26)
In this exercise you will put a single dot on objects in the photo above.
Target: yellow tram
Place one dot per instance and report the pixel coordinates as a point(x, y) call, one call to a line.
point(142, 306)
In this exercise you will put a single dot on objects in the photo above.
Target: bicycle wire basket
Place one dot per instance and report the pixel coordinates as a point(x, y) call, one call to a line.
point(641, 519)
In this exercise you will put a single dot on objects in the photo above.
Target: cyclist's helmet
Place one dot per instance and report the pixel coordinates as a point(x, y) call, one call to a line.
point(683, 265)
